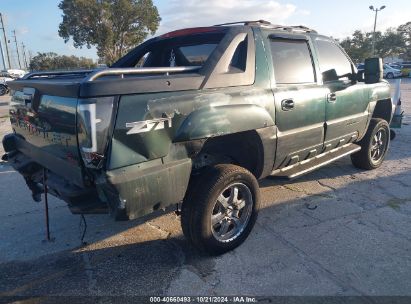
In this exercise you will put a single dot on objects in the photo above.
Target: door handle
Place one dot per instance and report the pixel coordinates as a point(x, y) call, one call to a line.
point(331, 97)
point(287, 104)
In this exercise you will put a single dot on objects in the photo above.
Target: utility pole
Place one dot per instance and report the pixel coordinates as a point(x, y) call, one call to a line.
point(5, 41)
point(24, 56)
point(2, 55)
point(376, 10)
point(17, 48)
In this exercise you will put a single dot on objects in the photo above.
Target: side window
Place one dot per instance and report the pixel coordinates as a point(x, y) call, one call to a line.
point(239, 60)
point(292, 61)
point(330, 56)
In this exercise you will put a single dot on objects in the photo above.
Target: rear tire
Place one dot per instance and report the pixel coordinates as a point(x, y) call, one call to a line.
point(374, 145)
point(220, 208)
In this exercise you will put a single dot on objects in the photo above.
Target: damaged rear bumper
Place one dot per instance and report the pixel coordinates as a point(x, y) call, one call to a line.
point(64, 180)
point(127, 193)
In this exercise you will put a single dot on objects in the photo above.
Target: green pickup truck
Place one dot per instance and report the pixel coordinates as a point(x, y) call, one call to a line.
point(193, 118)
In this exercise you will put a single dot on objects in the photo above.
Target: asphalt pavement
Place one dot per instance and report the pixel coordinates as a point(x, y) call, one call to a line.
point(336, 231)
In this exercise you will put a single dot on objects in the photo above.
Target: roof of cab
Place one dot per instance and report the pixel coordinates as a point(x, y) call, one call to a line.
point(223, 27)
point(267, 24)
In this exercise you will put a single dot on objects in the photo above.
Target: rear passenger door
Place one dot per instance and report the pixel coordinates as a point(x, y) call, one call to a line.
point(299, 100)
point(346, 110)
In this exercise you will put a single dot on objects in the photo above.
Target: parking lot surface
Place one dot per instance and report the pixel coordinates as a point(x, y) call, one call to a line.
point(337, 231)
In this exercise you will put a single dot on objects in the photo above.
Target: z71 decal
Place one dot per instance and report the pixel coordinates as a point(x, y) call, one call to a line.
point(148, 125)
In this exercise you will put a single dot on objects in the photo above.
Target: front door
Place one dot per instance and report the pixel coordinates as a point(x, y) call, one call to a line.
point(346, 110)
point(299, 100)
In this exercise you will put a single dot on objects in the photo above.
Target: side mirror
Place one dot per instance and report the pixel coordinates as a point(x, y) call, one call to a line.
point(330, 75)
point(373, 70)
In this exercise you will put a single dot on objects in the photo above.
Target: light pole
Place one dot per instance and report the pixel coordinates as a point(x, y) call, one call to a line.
point(376, 10)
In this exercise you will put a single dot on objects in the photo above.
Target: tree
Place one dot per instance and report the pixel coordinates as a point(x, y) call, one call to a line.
point(405, 32)
point(359, 45)
point(52, 61)
point(391, 43)
point(112, 26)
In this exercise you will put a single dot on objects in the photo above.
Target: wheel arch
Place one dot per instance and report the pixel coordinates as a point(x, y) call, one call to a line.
point(252, 149)
point(383, 109)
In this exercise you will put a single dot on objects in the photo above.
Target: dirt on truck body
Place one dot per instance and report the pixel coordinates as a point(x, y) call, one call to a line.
point(197, 116)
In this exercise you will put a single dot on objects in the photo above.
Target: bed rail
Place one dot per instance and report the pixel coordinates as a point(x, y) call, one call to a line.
point(92, 75)
point(134, 71)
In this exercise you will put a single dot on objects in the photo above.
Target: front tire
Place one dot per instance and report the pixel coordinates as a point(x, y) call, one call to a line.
point(374, 145)
point(220, 210)
point(390, 75)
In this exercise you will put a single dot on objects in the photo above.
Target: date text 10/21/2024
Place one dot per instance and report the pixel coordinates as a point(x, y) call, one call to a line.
point(203, 299)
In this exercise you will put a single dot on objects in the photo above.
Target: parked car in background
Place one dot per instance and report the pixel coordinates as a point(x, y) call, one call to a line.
point(16, 73)
point(397, 66)
point(389, 71)
point(406, 64)
point(4, 77)
point(405, 68)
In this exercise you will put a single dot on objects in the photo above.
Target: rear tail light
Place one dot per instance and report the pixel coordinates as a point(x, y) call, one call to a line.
point(93, 129)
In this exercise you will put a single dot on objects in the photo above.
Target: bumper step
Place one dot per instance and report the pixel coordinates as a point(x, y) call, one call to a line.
point(316, 162)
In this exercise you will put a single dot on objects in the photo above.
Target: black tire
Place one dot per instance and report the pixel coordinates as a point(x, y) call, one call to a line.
point(392, 134)
point(202, 202)
point(368, 158)
point(390, 75)
point(186, 207)
point(3, 90)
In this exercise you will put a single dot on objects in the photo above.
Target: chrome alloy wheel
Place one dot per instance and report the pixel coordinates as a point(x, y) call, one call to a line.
point(231, 212)
point(378, 145)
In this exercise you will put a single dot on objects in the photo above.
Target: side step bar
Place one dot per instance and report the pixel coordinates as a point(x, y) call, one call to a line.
point(316, 162)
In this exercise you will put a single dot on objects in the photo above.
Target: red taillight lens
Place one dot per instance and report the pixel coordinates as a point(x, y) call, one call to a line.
point(93, 127)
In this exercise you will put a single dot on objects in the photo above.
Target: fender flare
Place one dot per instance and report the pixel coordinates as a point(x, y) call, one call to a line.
point(222, 120)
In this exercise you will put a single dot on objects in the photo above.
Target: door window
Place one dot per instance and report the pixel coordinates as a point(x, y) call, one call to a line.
point(292, 61)
point(330, 56)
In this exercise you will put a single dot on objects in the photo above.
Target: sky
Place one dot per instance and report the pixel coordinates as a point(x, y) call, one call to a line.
point(36, 21)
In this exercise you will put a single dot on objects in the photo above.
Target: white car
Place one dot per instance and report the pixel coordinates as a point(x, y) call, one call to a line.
point(15, 73)
point(390, 72)
point(4, 77)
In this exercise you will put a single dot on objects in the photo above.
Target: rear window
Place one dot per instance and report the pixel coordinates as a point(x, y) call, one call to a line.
point(197, 54)
point(181, 51)
point(190, 49)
